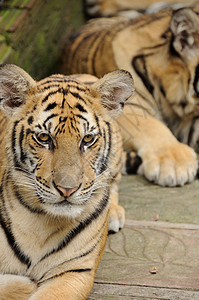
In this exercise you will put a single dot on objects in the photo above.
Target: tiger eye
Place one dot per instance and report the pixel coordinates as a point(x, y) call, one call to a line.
point(44, 138)
point(88, 138)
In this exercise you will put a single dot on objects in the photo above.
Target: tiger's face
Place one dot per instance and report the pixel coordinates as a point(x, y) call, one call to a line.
point(172, 63)
point(178, 79)
point(60, 145)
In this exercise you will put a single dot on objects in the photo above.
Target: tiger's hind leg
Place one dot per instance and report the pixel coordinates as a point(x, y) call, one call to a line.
point(14, 287)
point(117, 212)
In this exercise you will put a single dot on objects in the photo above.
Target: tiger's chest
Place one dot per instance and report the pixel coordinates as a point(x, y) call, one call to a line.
point(29, 248)
point(23, 243)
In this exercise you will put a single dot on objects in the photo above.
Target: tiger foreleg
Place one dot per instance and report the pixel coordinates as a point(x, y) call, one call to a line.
point(71, 286)
point(14, 287)
point(117, 212)
point(165, 160)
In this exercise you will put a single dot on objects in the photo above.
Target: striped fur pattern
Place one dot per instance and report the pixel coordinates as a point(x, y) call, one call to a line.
point(132, 8)
point(60, 165)
point(161, 51)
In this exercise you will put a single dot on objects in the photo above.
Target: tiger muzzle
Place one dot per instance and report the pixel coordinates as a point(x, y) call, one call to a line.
point(66, 191)
point(67, 184)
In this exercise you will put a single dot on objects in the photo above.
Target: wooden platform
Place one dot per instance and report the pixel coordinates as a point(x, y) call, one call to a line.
point(156, 255)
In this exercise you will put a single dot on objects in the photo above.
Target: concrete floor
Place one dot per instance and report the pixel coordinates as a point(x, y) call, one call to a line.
point(156, 255)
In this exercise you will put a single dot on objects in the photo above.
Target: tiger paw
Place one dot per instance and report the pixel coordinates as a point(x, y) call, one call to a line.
point(15, 287)
point(173, 165)
point(116, 218)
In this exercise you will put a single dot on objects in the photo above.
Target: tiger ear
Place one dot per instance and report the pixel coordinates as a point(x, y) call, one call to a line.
point(114, 89)
point(184, 26)
point(14, 86)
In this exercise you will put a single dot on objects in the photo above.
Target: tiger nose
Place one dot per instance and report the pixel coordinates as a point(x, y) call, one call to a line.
point(67, 191)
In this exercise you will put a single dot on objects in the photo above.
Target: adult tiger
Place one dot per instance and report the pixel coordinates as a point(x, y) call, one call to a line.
point(161, 51)
point(133, 8)
point(60, 163)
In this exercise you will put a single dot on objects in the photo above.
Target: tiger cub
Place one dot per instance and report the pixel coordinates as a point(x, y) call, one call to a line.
point(132, 8)
point(60, 163)
point(161, 51)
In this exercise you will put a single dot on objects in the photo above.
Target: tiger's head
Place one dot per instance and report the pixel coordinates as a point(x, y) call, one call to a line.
point(60, 140)
point(169, 65)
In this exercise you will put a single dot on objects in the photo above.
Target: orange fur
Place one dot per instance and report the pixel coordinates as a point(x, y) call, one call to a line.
point(60, 164)
point(161, 52)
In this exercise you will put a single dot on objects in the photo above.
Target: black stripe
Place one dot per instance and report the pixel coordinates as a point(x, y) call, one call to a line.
point(104, 160)
point(143, 74)
point(196, 81)
point(76, 95)
point(5, 224)
point(50, 106)
point(81, 117)
point(191, 130)
point(16, 162)
point(63, 102)
point(162, 90)
point(99, 37)
point(23, 155)
point(80, 270)
point(81, 44)
point(79, 256)
point(62, 80)
point(79, 88)
point(48, 87)
point(73, 126)
point(51, 94)
point(172, 50)
point(49, 117)
point(80, 107)
point(39, 126)
point(109, 138)
point(62, 273)
point(13, 244)
point(88, 187)
point(90, 250)
point(62, 119)
point(82, 225)
point(69, 86)
point(25, 204)
point(98, 126)
point(28, 131)
point(30, 120)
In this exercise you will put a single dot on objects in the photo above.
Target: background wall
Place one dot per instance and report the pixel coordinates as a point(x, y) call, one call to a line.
point(32, 32)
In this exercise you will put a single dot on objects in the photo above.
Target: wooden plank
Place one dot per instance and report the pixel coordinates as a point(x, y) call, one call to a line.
point(129, 292)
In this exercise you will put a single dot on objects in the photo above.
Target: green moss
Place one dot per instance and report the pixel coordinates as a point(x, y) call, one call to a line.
point(37, 42)
point(5, 51)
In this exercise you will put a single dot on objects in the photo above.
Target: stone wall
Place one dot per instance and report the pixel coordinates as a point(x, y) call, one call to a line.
point(32, 32)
